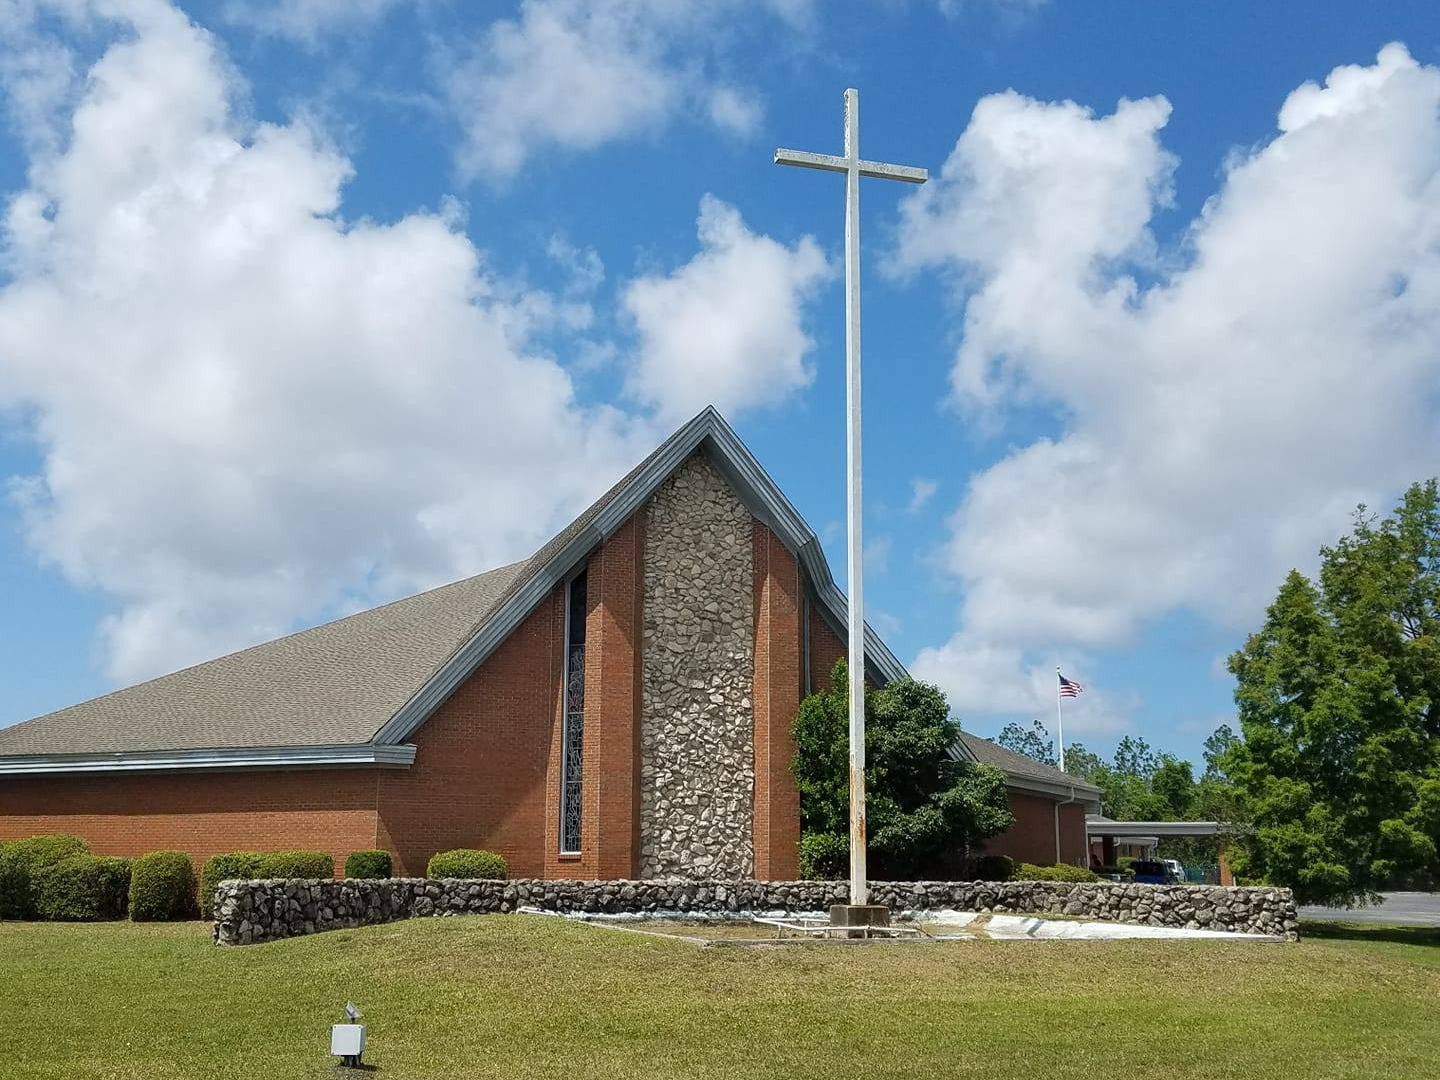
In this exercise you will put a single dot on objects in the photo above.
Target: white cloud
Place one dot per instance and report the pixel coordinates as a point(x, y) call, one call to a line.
point(577, 74)
point(1222, 406)
point(306, 20)
point(982, 678)
point(583, 267)
point(921, 492)
point(727, 327)
point(1009, 8)
point(877, 555)
point(252, 411)
point(37, 74)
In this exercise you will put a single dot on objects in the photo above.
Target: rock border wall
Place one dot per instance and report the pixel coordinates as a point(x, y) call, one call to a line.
point(250, 912)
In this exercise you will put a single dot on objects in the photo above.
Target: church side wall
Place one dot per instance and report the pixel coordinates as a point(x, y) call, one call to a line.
point(610, 797)
point(825, 649)
point(201, 814)
point(1032, 837)
point(480, 773)
point(697, 671)
point(778, 657)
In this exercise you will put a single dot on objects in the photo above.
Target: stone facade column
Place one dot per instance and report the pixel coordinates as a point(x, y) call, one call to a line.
point(778, 656)
point(697, 675)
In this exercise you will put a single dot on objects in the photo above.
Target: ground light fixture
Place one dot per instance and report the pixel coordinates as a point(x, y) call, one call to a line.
point(347, 1041)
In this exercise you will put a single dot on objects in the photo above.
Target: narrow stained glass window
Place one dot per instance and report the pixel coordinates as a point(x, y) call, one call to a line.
point(573, 739)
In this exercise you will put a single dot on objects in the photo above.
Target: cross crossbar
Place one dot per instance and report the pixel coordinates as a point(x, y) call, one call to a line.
point(832, 163)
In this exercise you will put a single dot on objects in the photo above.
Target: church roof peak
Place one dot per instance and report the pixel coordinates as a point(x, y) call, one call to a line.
point(354, 690)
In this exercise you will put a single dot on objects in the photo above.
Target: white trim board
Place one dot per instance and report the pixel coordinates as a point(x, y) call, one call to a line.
point(348, 755)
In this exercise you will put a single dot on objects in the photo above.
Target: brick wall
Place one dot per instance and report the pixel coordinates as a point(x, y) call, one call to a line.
point(1032, 837)
point(825, 648)
point(610, 832)
point(200, 814)
point(776, 700)
point(482, 760)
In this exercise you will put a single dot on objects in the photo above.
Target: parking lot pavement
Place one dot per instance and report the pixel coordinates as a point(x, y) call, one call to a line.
point(1400, 908)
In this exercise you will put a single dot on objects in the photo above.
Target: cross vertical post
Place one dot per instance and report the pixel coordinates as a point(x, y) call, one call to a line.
point(854, 168)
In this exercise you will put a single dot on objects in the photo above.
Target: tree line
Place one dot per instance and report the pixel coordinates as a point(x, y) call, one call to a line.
point(1333, 778)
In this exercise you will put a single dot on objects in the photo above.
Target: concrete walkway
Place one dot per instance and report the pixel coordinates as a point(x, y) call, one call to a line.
point(1399, 908)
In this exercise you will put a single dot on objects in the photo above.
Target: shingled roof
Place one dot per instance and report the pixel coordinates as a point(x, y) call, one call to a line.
point(1018, 766)
point(354, 690)
point(335, 683)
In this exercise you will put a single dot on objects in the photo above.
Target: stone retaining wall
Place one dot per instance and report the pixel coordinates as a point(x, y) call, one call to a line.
point(250, 912)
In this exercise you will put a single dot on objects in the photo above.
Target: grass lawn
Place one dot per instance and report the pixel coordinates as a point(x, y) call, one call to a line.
point(517, 996)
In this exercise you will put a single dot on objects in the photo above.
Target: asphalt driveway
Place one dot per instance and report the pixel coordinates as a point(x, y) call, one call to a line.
point(1399, 908)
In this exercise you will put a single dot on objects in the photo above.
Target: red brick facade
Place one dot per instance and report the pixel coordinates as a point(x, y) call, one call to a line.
point(332, 810)
point(487, 768)
point(778, 655)
point(1032, 837)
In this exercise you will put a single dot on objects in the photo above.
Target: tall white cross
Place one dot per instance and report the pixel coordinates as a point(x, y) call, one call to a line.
point(854, 168)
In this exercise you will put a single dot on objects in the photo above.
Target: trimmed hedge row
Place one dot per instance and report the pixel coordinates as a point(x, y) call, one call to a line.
point(467, 863)
point(21, 860)
point(83, 888)
point(162, 887)
point(368, 865)
point(1059, 872)
point(58, 878)
point(1004, 868)
point(258, 865)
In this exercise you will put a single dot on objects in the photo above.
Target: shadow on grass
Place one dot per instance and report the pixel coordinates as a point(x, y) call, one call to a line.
point(1356, 931)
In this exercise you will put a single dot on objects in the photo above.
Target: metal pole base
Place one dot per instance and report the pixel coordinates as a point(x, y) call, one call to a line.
point(859, 919)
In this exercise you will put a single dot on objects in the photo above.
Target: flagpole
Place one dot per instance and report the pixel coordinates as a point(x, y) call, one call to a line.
point(1059, 720)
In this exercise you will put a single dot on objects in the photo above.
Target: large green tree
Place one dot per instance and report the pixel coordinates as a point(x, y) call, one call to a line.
point(924, 809)
point(1339, 704)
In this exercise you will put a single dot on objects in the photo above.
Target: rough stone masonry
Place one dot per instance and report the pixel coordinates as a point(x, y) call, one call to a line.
point(250, 912)
point(697, 741)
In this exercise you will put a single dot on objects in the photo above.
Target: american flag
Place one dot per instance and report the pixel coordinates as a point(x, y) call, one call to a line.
point(1068, 687)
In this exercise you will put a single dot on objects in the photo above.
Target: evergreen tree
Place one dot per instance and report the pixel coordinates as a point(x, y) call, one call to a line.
point(1339, 705)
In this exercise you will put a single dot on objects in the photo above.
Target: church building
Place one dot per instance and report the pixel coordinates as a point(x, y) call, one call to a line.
point(616, 706)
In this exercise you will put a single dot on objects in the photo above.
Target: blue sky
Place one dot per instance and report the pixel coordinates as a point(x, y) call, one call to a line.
point(306, 307)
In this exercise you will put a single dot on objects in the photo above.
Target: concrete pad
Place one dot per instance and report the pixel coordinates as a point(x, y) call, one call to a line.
point(1035, 928)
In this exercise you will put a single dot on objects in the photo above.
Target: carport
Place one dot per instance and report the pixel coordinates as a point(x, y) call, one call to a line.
point(1108, 831)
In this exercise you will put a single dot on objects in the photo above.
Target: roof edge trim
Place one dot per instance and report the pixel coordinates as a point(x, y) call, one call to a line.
point(345, 755)
point(1079, 790)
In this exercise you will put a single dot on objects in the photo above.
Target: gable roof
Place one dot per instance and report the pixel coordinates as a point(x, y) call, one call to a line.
point(352, 691)
point(1022, 771)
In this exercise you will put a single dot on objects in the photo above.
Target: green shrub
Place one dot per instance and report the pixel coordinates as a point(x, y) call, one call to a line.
point(20, 860)
point(162, 887)
point(993, 868)
point(257, 865)
point(231, 866)
point(824, 856)
point(1058, 872)
point(296, 864)
point(367, 864)
point(467, 863)
point(82, 888)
